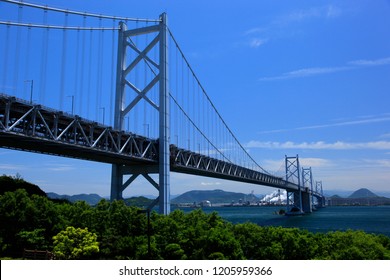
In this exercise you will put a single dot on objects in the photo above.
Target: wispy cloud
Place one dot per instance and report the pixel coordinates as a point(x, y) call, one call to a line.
point(59, 167)
point(315, 71)
point(377, 62)
point(210, 183)
point(357, 121)
point(386, 135)
point(306, 72)
point(321, 145)
point(258, 36)
point(327, 12)
point(378, 163)
point(279, 165)
point(13, 167)
point(257, 42)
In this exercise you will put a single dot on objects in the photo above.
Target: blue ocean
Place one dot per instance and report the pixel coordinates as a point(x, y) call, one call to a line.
point(371, 219)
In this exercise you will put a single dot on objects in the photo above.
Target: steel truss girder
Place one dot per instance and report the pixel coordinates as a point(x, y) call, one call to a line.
point(34, 123)
point(40, 129)
point(186, 161)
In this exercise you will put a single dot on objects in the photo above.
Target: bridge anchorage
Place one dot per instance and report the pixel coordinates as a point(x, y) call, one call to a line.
point(27, 126)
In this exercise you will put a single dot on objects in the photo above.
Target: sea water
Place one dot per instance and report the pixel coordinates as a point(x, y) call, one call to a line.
point(371, 219)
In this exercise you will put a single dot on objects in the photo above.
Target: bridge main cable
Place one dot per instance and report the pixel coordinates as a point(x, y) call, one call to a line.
point(212, 104)
point(78, 28)
point(85, 14)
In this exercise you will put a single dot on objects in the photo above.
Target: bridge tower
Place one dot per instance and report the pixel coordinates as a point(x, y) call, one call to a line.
point(307, 196)
point(321, 201)
point(123, 106)
point(294, 198)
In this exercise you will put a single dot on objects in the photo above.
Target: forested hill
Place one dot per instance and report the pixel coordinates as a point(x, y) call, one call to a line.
point(10, 184)
point(91, 199)
point(363, 193)
point(214, 196)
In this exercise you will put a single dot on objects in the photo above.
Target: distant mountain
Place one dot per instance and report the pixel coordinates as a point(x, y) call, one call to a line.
point(91, 199)
point(363, 193)
point(214, 196)
point(140, 201)
point(360, 197)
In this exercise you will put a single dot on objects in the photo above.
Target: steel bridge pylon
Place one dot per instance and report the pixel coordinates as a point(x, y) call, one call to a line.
point(321, 200)
point(125, 42)
point(294, 198)
point(307, 196)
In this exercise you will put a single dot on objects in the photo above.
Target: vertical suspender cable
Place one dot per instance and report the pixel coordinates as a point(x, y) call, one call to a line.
point(100, 60)
point(17, 51)
point(89, 93)
point(176, 127)
point(6, 55)
point(195, 138)
point(44, 54)
point(137, 83)
point(145, 128)
point(112, 84)
point(183, 127)
point(63, 64)
point(27, 65)
point(188, 108)
point(81, 96)
point(77, 67)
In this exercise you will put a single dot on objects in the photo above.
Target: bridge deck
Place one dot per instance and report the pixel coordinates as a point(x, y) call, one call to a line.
point(31, 127)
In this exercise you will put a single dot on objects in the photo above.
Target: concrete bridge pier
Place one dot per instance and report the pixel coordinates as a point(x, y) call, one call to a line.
point(306, 202)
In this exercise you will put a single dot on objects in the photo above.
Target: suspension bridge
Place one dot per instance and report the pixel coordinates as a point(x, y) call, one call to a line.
point(120, 91)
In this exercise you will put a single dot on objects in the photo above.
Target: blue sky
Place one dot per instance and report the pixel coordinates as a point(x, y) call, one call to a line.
point(289, 77)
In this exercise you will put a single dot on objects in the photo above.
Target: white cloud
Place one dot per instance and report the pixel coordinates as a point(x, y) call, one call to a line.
point(321, 145)
point(306, 72)
point(378, 163)
point(377, 62)
point(13, 167)
point(210, 183)
point(60, 167)
point(257, 42)
point(315, 71)
point(357, 121)
point(386, 135)
point(326, 12)
point(279, 24)
point(315, 162)
point(333, 11)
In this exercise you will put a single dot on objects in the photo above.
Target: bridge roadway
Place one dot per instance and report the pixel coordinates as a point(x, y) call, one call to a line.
point(31, 127)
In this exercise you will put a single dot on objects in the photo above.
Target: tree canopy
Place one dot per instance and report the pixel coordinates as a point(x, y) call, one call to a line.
point(112, 230)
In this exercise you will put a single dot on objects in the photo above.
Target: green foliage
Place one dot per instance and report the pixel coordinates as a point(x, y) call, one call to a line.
point(354, 245)
point(112, 230)
point(34, 239)
point(75, 243)
point(10, 184)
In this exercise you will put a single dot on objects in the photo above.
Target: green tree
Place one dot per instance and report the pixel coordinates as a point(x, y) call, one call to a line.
point(75, 243)
point(353, 245)
point(34, 239)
